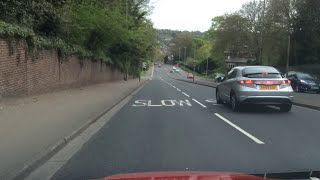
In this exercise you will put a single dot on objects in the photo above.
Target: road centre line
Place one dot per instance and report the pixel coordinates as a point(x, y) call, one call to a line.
point(239, 129)
point(185, 94)
point(199, 103)
point(178, 89)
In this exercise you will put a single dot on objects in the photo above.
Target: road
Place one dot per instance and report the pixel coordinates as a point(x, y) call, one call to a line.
point(171, 125)
point(309, 99)
point(183, 75)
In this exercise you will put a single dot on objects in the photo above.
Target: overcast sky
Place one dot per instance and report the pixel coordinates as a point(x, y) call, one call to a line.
point(190, 15)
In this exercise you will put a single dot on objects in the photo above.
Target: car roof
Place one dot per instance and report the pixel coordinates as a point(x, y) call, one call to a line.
point(243, 67)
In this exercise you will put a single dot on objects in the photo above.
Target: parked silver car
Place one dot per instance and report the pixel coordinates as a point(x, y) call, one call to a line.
point(255, 85)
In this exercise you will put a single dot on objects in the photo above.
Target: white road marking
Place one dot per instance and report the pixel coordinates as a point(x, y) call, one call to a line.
point(239, 129)
point(211, 101)
point(153, 105)
point(183, 102)
point(185, 94)
point(178, 89)
point(171, 103)
point(199, 103)
point(173, 86)
point(314, 178)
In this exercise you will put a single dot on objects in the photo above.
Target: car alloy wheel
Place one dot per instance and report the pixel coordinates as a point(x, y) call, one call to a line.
point(234, 104)
point(219, 101)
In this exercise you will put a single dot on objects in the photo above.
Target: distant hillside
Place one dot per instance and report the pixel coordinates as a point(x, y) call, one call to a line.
point(166, 35)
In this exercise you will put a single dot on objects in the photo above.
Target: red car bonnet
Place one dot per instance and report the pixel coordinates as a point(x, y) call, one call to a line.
point(190, 175)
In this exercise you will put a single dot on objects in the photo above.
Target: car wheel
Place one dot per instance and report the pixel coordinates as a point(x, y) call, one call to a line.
point(285, 107)
point(234, 103)
point(218, 99)
point(318, 92)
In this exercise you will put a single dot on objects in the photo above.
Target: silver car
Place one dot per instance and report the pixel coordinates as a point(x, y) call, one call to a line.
point(255, 85)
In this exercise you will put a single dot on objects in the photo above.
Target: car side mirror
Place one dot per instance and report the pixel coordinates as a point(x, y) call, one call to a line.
point(219, 79)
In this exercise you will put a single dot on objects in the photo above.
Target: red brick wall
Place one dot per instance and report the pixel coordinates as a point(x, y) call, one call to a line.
point(24, 73)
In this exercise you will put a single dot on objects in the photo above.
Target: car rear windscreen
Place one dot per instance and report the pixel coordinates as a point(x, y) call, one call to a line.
point(261, 72)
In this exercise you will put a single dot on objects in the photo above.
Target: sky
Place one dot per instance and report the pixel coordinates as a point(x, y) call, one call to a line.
point(190, 15)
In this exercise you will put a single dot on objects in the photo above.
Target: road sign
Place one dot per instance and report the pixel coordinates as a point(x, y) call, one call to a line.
point(144, 64)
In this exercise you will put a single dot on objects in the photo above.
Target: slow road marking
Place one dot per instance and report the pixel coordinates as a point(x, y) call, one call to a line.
point(239, 129)
point(167, 103)
point(199, 103)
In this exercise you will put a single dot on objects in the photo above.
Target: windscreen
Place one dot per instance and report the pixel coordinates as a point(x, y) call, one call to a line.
point(305, 76)
point(261, 72)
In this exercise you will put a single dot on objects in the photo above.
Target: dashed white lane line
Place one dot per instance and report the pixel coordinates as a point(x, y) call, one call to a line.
point(199, 103)
point(174, 87)
point(239, 129)
point(185, 94)
point(178, 89)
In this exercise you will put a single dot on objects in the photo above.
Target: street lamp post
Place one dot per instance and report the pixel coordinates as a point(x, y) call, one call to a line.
point(194, 66)
point(185, 51)
point(261, 34)
point(207, 58)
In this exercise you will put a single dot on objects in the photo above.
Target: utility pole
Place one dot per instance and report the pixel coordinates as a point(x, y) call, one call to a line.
point(126, 64)
point(185, 52)
point(194, 61)
point(288, 54)
point(261, 33)
point(208, 57)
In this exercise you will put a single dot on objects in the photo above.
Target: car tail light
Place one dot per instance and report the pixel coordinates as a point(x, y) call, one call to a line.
point(246, 82)
point(265, 82)
point(286, 82)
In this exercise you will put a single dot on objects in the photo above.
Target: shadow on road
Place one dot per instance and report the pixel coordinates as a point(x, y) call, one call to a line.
point(249, 109)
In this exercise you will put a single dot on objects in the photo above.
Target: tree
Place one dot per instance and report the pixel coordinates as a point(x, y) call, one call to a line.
point(183, 42)
point(234, 36)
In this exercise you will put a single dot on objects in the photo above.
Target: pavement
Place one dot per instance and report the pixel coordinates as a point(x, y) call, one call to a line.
point(171, 125)
point(32, 127)
point(306, 99)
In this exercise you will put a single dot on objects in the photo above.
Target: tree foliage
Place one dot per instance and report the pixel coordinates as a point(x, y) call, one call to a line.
point(114, 31)
point(238, 34)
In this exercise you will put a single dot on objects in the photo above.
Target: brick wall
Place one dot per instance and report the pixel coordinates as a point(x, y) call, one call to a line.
point(24, 73)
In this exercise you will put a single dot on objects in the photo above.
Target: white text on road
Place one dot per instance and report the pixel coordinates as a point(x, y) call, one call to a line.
point(168, 103)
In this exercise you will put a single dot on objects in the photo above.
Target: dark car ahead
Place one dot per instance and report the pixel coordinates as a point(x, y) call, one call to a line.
point(301, 81)
point(219, 77)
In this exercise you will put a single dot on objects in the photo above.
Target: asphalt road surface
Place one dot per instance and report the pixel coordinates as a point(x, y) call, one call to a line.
point(171, 125)
point(183, 75)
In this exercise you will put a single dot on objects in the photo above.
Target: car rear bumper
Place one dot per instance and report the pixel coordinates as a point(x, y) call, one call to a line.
point(267, 100)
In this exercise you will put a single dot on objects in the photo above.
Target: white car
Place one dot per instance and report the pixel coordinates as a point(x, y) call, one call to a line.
point(177, 70)
point(174, 68)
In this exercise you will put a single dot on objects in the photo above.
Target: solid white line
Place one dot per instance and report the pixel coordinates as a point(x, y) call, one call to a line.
point(199, 103)
point(314, 178)
point(178, 89)
point(239, 129)
point(185, 94)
